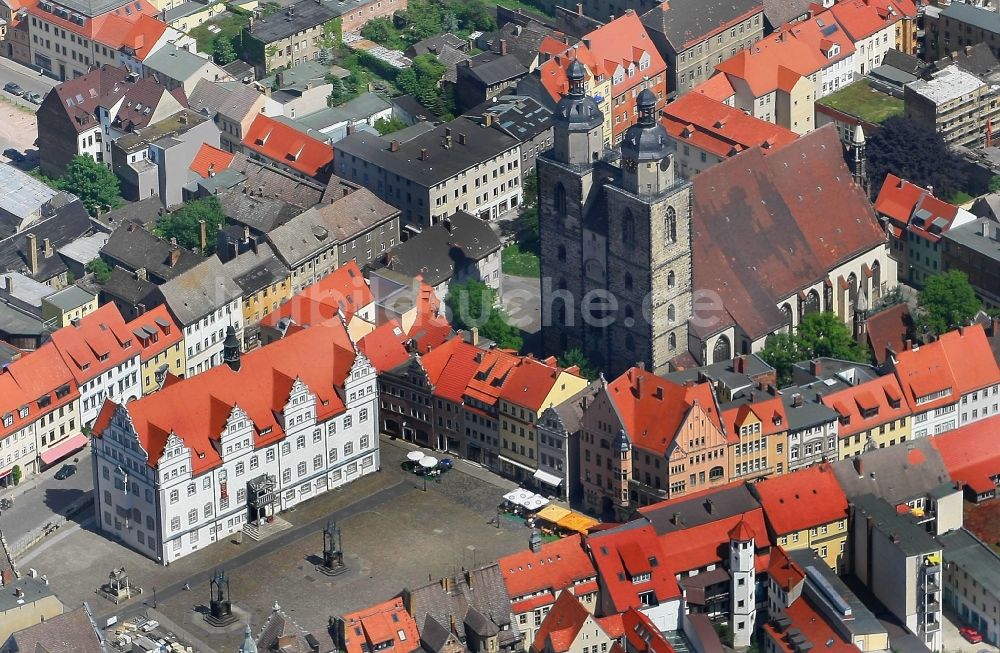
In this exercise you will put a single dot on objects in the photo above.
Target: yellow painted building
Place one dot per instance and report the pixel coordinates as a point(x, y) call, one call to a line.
point(162, 343)
point(758, 433)
point(266, 284)
point(872, 414)
point(807, 509)
point(70, 303)
point(531, 387)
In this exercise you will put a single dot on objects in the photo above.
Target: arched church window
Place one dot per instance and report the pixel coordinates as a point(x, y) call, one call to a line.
point(722, 351)
point(628, 227)
point(671, 225)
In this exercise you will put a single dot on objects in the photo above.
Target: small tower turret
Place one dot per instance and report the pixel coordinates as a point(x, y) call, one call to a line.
point(647, 151)
point(857, 157)
point(861, 318)
point(248, 645)
point(743, 610)
point(578, 123)
point(231, 349)
point(622, 465)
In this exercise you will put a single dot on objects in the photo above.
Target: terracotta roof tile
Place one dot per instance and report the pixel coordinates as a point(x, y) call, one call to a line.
point(370, 629)
point(803, 499)
point(286, 145)
point(885, 391)
point(719, 128)
point(211, 160)
point(970, 453)
point(384, 346)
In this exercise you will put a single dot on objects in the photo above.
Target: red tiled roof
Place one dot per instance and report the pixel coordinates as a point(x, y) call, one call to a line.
point(561, 625)
point(288, 146)
point(80, 97)
point(716, 87)
point(320, 356)
point(755, 191)
point(530, 383)
point(641, 635)
point(924, 371)
point(896, 199)
point(491, 375)
point(705, 544)
point(211, 160)
point(970, 453)
point(652, 409)
point(884, 390)
point(155, 332)
point(365, 630)
point(557, 566)
point(344, 290)
point(110, 28)
point(802, 499)
point(888, 329)
point(606, 551)
point(783, 571)
point(970, 358)
point(770, 412)
point(139, 36)
point(35, 376)
point(812, 625)
point(862, 18)
point(741, 532)
point(99, 342)
point(718, 128)
point(384, 346)
point(450, 367)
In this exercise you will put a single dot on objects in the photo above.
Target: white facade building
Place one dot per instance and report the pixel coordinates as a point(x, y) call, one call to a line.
point(167, 484)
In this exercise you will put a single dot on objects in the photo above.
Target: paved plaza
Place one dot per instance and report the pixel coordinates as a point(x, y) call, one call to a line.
point(395, 535)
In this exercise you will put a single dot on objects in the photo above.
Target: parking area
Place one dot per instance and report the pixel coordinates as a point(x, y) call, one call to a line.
point(953, 642)
point(395, 535)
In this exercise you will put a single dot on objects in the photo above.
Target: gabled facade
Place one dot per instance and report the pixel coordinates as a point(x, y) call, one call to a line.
point(758, 434)
point(258, 435)
point(570, 628)
point(161, 345)
point(872, 415)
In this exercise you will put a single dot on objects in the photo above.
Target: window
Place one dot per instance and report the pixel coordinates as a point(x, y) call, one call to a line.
point(239, 468)
point(192, 488)
point(192, 515)
point(348, 448)
point(174, 496)
point(671, 223)
point(300, 442)
point(333, 455)
point(301, 469)
point(286, 476)
point(175, 524)
point(365, 442)
point(317, 462)
point(286, 448)
point(628, 228)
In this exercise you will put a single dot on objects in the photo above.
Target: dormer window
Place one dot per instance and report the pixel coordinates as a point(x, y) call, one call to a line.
point(644, 577)
point(833, 51)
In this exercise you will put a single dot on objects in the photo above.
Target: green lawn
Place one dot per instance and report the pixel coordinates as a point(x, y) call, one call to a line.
point(229, 24)
point(861, 100)
point(960, 197)
point(526, 7)
point(520, 263)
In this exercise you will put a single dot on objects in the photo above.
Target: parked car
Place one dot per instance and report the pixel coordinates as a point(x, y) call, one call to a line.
point(13, 155)
point(971, 635)
point(65, 472)
point(34, 98)
point(445, 464)
point(13, 89)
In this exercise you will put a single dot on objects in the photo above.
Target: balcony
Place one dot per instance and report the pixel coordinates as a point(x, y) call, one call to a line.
point(639, 486)
point(933, 606)
point(932, 626)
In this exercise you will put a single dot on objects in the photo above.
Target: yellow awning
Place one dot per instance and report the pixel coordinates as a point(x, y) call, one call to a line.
point(553, 513)
point(577, 522)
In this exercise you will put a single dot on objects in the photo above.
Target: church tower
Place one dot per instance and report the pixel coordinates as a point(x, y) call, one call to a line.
point(621, 233)
point(231, 349)
point(743, 611)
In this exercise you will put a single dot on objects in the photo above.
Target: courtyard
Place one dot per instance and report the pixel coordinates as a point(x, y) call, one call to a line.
point(395, 535)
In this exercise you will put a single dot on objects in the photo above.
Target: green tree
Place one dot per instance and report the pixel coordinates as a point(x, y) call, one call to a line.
point(994, 185)
point(389, 126)
point(183, 224)
point(946, 302)
point(473, 304)
point(338, 92)
point(576, 357)
point(16, 474)
point(223, 52)
point(824, 335)
point(333, 33)
point(379, 30)
point(909, 150)
point(781, 352)
point(95, 185)
point(100, 269)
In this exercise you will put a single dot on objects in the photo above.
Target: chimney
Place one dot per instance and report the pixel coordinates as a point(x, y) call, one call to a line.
point(46, 247)
point(474, 333)
point(6, 576)
point(796, 399)
point(394, 146)
point(32, 243)
point(175, 256)
point(677, 519)
point(202, 235)
point(503, 47)
point(488, 122)
point(968, 50)
point(423, 154)
point(246, 234)
point(447, 224)
point(815, 367)
point(954, 56)
point(709, 506)
point(173, 241)
point(18, 592)
point(907, 345)
point(579, 9)
point(859, 466)
point(995, 327)
point(740, 364)
point(140, 274)
point(182, 119)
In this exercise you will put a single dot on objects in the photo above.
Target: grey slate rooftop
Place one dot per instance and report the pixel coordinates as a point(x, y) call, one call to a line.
point(91, 8)
point(34, 589)
point(970, 554)
point(435, 252)
point(256, 269)
point(15, 323)
point(70, 632)
point(518, 116)
point(896, 474)
point(360, 108)
point(975, 16)
point(84, 249)
point(69, 223)
point(145, 212)
point(70, 298)
point(177, 62)
point(133, 247)
point(199, 291)
point(23, 197)
point(861, 621)
point(972, 236)
point(912, 539)
point(481, 144)
point(301, 16)
point(684, 21)
point(733, 499)
point(491, 68)
point(726, 373)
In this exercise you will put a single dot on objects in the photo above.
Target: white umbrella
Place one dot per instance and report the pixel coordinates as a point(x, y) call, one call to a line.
point(535, 502)
point(415, 456)
point(428, 462)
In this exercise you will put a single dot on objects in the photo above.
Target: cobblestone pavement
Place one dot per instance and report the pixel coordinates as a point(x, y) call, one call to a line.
point(395, 535)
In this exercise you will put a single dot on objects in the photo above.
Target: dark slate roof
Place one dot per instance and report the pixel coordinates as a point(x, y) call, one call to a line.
point(972, 555)
point(262, 178)
point(256, 269)
point(518, 116)
point(434, 44)
point(299, 16)
point(571, 410)
point(92, 8)
point(977, 59)
point(481, 144)
point(199, 291)
point(683, 22)
point(986, 19)
point(133, 247)
point(144, 212)
point(889, 328)
point(491, 68)
point(410, 105)
point(434, 253)
point(294, 638)
point(69, 223)
point(15, 323)
point(733, 499)
point(263, 213)
point(753, 193)
point(724, 373)
point(905, 62)
point(435, 637)
point(897, 474)
point(451, 59)
point(779, 12)
point(809, 413)
point(127, 288)
point(912, 538)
